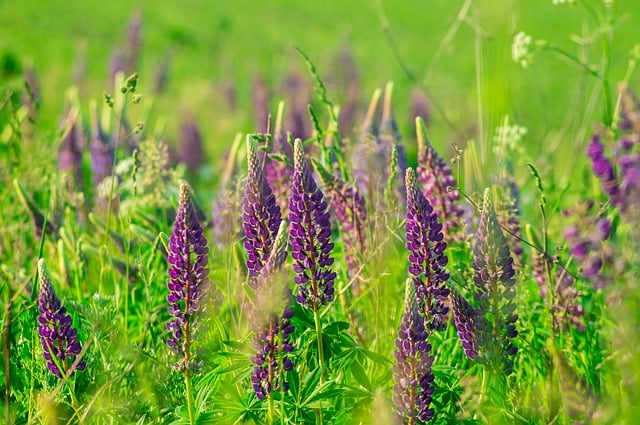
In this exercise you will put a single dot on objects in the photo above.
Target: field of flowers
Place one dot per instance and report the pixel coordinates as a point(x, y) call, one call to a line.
point(294, 240)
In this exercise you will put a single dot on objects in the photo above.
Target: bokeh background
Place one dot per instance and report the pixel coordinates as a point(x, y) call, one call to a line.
point(213, 52)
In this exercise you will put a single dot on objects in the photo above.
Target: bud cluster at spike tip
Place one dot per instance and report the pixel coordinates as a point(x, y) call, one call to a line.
point(310, 236)
point(425, 242)
point(438, 183)
point(188, 258)
point(261, 216)
point(59, 339)
point(495, 291)
point(412, 373)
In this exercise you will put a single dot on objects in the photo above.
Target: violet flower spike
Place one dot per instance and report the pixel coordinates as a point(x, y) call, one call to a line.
point(273, 340)
point(412, 373)
point(468, 321)
point(261, 216)
point(438, 184)
point(188, 259)
point(310, 236)
point(495, 285)
point(350, 209)
point(426, 254)
point(59, 339)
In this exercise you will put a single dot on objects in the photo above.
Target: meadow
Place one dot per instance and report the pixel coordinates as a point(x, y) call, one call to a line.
point(311, 213)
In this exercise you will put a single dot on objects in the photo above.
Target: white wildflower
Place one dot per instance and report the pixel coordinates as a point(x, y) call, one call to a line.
point(522, 49)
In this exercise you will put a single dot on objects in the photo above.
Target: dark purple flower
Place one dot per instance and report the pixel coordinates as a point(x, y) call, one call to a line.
point(190, 150)
point(508, 213)
point(298, 95)
point(603, 169)
point(272, 340)
point(495, 291)
point(351, 213)
point(412, 374)
point(438, 184)
point(261, 215)
point(468, 322)
point(70, 152)
point(188, 259)
point(133, 42)
point(587, 242)
point(272, 348)
point(426, 254)
point(102, 150)
point(260, 103)
point(419, 107)
point(279, 172)
point(59, 340)
point(310, 236)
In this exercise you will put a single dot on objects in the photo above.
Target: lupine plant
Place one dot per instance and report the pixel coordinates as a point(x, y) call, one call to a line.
point(349, 296)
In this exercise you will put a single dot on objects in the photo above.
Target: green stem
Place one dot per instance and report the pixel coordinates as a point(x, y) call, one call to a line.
point(574, 59)
point(190, 407)
point(270, 411)
point(316, 315)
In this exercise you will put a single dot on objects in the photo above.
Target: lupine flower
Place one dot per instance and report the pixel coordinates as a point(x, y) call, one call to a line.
point(367, 159)
point(70, 152)
point(426, 254)
point(190, 151)
point(494, 281)
point(419, 107)
point(260, 103)
point(389, 141)
point(59, 339)
point(188, 259)
point(102, 150)
point(603, 169)
point(566, 308)
point(279, 173)
point(298, 94)
point(261, 215)
point(438, 184)
point(272, 345)
point(412, 371)
point(351, 212)
point(272, 340)
point(508, 213)
point(310, 236)
point(133, 42)
point(351, 86)
point(226, 223)
point(468, 320)
point(586, 240)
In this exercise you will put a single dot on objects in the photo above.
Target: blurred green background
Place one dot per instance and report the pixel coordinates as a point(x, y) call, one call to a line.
point(466, 65)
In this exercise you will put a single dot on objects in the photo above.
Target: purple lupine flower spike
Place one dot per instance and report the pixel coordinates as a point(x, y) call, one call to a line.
point(188, 259)
point(70, 152)
point(190, 149)
point(426, 254)
point(438, 184)
point(350, 209)
point(279, 174)
point(261, 216)
point(603, 169)
point(468, 323)
point(102, 150)
point(495, 291)
point(273, 340)
point(412, 371)
point(59, 339)
point(310, 236)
